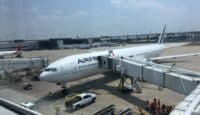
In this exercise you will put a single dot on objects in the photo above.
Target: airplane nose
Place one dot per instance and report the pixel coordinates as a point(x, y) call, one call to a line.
point(46, 76)
point(42, 77)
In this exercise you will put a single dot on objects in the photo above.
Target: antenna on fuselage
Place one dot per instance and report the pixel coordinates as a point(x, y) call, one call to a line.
point(161, 38)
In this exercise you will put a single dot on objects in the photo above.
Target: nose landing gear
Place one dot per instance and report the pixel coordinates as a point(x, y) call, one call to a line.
point(65, 90)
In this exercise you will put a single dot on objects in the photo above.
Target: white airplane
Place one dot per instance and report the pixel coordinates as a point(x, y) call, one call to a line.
point(17, 52)
point(79, 66)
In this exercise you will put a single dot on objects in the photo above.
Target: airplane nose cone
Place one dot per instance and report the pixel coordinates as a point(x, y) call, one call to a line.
point(42, 77)
point(46, 76)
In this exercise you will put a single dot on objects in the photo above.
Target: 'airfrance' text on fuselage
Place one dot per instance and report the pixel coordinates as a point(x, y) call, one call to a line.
point(88, 59)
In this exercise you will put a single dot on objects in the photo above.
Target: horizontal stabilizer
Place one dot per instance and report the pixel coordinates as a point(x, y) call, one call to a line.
point(174, 56)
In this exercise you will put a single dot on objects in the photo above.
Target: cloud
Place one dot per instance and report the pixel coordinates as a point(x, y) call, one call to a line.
point(122, 2)
point(59, 12)
point(150, 4)
point(60, 15)
point(149, 9)
point(34, 9)
point(137, 4)
point(53, 17)
point(57, 15)
point(4, 8)
point(102, 17)
point(80, 13)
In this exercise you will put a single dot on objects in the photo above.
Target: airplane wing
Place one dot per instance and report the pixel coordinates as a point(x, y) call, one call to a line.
point(174, 56)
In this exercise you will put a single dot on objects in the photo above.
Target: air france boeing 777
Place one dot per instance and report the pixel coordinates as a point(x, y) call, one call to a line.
point(79, 66)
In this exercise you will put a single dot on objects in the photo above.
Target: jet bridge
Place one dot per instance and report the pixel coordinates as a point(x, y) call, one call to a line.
point(18, 64)
point(12, 67)
point(179, 80)
point(190, 105)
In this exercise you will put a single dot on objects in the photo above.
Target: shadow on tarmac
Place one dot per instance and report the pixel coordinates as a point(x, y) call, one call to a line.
point(99, 83)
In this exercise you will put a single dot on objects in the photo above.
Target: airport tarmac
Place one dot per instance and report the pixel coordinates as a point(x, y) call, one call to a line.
point(104, 85)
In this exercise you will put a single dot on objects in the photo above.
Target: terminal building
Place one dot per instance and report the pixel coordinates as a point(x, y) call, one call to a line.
point(85, 43)
point(69, 43)
point(25, 44)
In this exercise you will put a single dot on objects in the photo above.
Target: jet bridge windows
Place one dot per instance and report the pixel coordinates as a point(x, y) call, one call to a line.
point(50, 69)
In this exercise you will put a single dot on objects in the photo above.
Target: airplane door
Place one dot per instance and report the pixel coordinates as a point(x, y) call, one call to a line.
point(73, 67)
point(69, 69)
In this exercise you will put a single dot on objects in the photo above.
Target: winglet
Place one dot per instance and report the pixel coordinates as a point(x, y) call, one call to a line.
point(160, 40)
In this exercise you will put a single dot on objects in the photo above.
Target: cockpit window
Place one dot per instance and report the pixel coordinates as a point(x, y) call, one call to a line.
point(50, 69)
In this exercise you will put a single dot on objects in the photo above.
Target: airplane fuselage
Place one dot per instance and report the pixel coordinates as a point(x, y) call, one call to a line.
point(79, 66)
point(6, 53)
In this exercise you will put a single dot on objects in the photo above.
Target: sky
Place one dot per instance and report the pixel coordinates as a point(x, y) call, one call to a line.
point(43, 19)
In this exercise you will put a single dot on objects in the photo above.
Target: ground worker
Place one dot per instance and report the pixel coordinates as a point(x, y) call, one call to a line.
point(57, 109)
point(147, 105)
point(170, 108)
point(158, 107)
point(153, 108)
point(155, 103)
point(163, 109)
point(50, 94)
point(158, 110)
point(159, 102)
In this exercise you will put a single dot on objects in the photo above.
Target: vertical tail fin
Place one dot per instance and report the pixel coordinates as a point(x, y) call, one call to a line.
point(160, 40)
point(18, 48)
point(18, 51)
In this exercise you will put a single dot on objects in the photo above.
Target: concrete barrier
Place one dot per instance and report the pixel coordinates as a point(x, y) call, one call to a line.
point(17, 108)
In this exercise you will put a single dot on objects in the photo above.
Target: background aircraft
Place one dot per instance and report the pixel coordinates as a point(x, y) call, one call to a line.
point(17, 52)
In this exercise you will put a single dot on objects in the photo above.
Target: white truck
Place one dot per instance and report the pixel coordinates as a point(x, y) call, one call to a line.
point(76, 101)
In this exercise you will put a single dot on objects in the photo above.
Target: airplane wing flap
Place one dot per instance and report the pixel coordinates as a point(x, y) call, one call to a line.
point(174, 56)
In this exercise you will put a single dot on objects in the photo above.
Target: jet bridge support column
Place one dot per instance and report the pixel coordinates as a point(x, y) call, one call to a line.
point(136, 85)
point(121, 83)
point(133, 85)
point(123, 77)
